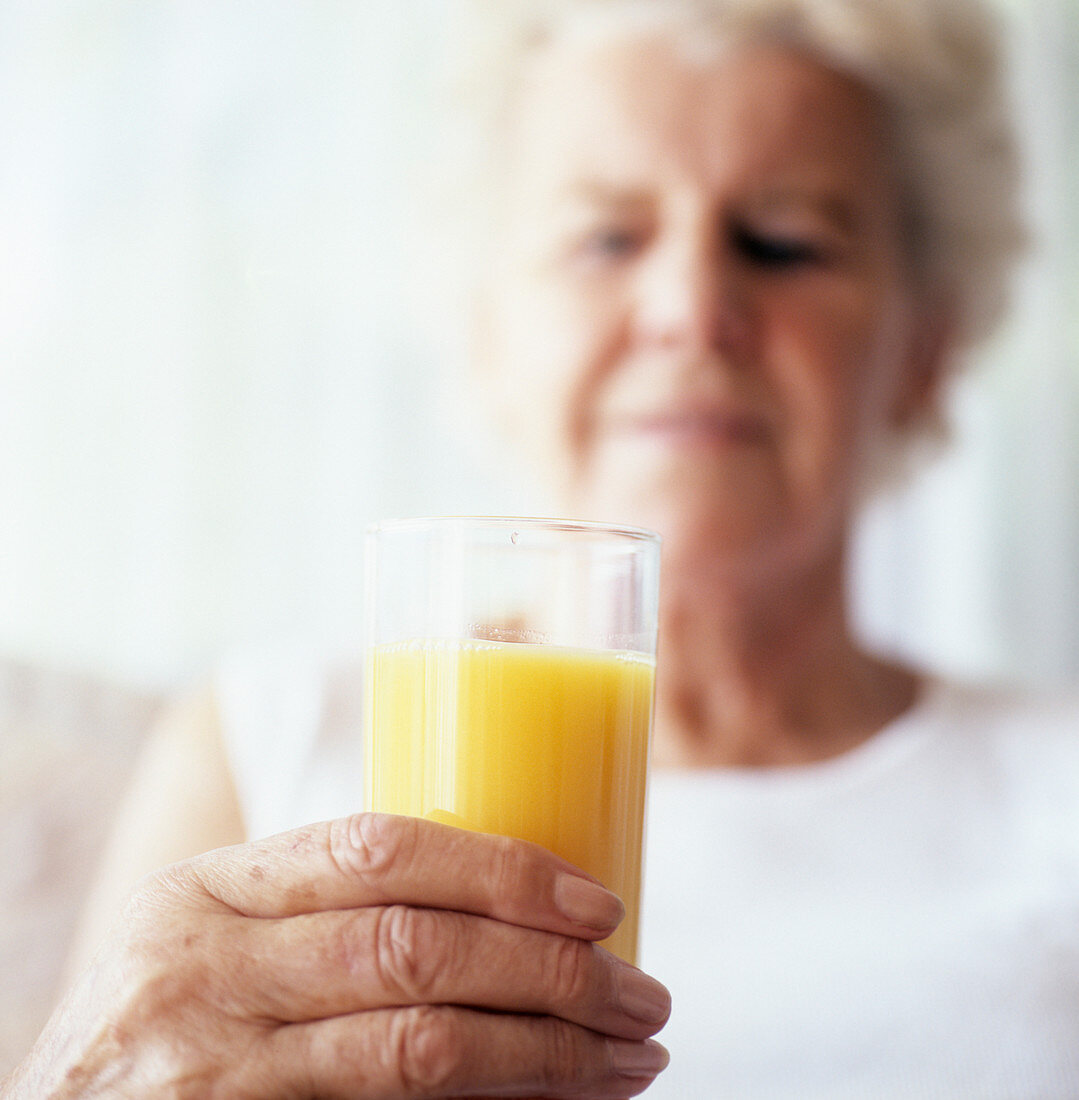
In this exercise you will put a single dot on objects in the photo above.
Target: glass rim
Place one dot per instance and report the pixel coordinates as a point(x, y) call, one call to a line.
point(510, 523)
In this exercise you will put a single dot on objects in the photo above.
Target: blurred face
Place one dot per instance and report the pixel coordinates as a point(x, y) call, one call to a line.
point(701, 318)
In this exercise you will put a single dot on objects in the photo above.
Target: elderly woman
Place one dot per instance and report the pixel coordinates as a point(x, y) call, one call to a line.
point(733, 249)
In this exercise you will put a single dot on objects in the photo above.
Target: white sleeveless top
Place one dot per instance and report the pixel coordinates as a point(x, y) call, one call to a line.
point(900, 922)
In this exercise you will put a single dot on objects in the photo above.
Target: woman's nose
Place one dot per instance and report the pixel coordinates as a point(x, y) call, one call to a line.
point(689, 297)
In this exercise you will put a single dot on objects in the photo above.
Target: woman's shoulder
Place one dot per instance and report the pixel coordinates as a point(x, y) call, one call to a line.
point(1033, 713)
point(1024, 740)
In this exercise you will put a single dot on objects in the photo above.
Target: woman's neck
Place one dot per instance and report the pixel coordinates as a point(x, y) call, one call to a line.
point(755, 673)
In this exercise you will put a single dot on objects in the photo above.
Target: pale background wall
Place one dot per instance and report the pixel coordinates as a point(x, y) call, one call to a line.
point(209, 380)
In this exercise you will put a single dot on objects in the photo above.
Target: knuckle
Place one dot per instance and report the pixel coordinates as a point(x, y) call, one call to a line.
point(167, 954)
point(154, 894)
point(429, 1049)
point(370, 845)
point(573, 969)
point(153, 991)
point(152, 926)
point(567, 1057)
point(520, 873)
point(160, 990)
point(409, 951)
point(509, 871)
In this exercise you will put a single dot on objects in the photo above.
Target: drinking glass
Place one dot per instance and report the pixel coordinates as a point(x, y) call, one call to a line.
point(509, 685)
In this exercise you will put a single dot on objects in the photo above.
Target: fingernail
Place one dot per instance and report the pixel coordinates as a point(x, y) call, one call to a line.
point(587, 903)
point(638, 1059)
point(640, 996)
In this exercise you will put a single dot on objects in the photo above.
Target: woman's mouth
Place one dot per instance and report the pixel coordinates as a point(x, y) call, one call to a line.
point(695, 427)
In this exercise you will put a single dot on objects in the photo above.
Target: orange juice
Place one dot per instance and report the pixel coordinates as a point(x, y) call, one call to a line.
point(545, 743)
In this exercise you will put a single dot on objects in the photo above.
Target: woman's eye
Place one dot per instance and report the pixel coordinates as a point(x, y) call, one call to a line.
point(776, 251)
point(612, 243)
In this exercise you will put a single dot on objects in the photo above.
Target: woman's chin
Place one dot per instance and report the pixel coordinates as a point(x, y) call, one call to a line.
point(695, 525)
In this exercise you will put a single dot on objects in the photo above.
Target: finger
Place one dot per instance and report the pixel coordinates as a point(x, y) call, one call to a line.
point(336, 963)
point(430, 1053)
point(379, 859)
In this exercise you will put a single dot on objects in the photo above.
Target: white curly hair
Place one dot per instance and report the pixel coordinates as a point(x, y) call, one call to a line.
point(935, 65)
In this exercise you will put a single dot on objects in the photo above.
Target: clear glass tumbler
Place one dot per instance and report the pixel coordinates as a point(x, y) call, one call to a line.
point(510, 680)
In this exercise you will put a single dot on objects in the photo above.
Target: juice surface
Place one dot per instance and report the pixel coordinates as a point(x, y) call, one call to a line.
point(539, 742)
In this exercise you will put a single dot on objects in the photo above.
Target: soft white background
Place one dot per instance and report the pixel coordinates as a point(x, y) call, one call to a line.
point(210, 378)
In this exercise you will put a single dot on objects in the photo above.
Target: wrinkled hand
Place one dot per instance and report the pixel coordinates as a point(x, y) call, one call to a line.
point(370, 957)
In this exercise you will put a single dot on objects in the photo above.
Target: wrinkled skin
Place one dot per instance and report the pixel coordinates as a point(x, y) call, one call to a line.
point(342, 961)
